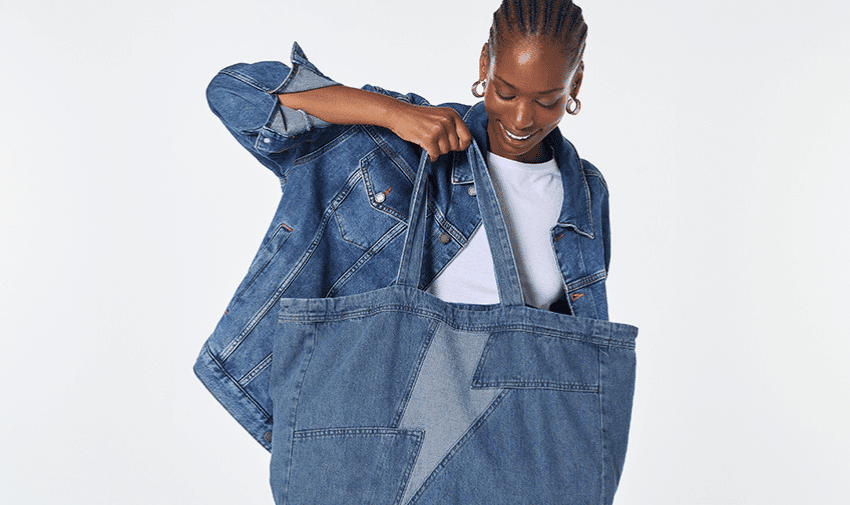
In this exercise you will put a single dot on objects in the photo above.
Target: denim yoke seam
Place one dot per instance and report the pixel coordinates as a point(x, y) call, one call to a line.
point(282, 287)
point(323, 149)
point(294, 405)
point(444, 462)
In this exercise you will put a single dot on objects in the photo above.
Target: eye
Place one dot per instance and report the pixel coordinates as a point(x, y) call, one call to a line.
point(504, 96)
point(549, 104)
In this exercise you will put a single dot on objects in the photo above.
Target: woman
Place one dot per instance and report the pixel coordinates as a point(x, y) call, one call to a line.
point(387, 395)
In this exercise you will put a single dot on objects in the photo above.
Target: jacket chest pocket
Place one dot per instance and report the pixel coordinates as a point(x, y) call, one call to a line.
point(374, 202)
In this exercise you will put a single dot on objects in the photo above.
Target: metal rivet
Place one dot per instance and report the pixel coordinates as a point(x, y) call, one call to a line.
point(380, 197)
point(445, 238)
point(472, 191)
point(268, 436)
point(266, 140)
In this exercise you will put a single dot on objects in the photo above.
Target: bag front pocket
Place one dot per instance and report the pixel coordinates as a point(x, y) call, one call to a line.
point(352, 465)
point(523, 360)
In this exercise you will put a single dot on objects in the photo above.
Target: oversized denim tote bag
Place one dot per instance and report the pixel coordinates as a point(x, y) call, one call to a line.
point(397, 397)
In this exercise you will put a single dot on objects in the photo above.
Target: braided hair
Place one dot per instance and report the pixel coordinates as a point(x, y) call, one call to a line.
point(557, 21)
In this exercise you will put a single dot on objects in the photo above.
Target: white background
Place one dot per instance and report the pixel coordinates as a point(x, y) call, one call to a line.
point(128, 216)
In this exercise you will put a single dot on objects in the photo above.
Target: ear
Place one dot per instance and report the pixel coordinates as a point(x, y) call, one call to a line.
point(484, 62)
point(577, 78)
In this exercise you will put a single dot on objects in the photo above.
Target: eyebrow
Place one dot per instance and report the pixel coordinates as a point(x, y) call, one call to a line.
point(553, 90)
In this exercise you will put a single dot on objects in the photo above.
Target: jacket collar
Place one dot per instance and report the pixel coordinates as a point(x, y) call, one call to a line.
point(576, 210)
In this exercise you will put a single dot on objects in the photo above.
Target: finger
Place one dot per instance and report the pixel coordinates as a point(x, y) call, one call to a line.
point(444, 144)
point(464, 135)
point(433, 150)
point(451, 135)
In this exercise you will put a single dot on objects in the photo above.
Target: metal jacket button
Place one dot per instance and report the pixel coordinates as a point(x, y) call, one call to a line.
point(445, 238)
point(266, 140)
point(380, 197)
point(472, 191)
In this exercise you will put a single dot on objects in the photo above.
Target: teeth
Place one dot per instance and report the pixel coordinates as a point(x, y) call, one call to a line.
point(511, 135)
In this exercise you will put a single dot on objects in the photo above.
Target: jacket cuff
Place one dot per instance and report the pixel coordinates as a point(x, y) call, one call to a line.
point(304, 76)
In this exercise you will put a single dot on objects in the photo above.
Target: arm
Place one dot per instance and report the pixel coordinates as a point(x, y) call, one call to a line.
point(438, 130)
point(244, 97)
point(270, 108)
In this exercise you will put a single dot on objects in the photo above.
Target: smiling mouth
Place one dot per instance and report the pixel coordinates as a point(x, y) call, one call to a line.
point(515, 137)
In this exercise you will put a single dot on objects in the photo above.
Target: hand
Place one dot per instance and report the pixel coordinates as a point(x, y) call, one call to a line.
point(438, 130)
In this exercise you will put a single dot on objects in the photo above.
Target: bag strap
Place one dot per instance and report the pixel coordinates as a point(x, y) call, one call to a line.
point(409, 269)
point(507, 278)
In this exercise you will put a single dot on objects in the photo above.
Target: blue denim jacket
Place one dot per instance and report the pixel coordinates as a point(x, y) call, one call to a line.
point(340, 224)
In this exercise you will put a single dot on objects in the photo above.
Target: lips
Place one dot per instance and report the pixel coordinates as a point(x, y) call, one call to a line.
point(514, 136)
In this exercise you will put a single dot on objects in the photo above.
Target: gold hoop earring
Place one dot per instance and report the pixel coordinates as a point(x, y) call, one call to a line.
point(475, 88)
point(576, 106)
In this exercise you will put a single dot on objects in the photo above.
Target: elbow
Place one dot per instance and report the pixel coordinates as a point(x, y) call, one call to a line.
point(240, 106)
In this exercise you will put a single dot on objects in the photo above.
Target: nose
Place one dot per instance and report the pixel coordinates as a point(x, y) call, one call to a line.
point(523, 115)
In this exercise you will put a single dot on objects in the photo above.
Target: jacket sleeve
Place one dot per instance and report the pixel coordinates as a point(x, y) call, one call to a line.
point(244, 97)
point(602, 213)
point(606, 229)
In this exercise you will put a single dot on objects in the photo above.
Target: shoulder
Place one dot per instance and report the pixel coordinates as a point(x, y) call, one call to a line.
point(593, 174)
point(574, 165)
point(417, 99)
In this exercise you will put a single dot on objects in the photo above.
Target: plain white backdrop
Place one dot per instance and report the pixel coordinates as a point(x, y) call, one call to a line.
point(128, 216)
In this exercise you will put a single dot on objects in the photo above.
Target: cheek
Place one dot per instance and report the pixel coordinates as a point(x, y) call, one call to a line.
point(502, 111)
point(493, 107)
point(551, 117)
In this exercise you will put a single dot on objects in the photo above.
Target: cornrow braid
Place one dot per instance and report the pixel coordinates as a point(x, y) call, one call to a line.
point(558, 21)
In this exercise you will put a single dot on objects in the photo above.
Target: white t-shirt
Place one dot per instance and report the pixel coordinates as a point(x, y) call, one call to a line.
point(530, 196)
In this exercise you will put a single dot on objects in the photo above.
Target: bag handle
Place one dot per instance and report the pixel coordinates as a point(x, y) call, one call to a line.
point(507, 278)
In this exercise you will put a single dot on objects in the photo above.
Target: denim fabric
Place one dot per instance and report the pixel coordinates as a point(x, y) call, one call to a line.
point(340, 225)
point(394, 396)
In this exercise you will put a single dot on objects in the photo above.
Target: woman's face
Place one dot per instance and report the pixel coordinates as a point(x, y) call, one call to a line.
point(526, 96)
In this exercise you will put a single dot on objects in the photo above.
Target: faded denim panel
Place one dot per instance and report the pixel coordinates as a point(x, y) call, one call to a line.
point(442, 404)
